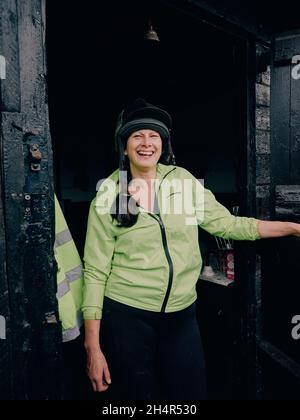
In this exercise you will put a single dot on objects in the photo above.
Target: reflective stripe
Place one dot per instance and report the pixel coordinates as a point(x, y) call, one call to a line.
point(64, 287)
point(72, 333)
point(74, 274)
point(63, 238)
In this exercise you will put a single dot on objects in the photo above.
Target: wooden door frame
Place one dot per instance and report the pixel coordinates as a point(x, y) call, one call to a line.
point(278, 176)
point(5, 338)
point(28, 206)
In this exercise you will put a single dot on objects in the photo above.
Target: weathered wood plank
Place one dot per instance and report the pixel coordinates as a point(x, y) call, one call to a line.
point(263, 201)
point(263, 173)
point(288, 202)
point(280, 115)
point(295, 124)
point(40, 279)
point(29, 209)
point(286, 47)
point(286, 101)
point(32, 64)
point(13, 171)
point(10, 92)
point(5, 336)
point(29, 219)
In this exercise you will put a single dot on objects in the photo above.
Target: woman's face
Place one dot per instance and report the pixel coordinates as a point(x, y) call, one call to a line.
point(144, 148)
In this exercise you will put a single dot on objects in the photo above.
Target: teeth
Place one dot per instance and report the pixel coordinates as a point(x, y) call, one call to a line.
point(145, 153)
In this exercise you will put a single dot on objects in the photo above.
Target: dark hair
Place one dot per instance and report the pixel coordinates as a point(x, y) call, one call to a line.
point(122, 214)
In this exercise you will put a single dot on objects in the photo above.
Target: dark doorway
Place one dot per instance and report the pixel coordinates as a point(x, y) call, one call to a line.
point(97, 63)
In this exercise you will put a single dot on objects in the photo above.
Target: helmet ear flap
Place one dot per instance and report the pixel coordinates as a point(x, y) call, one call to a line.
point(168, 157)
point(171, 157)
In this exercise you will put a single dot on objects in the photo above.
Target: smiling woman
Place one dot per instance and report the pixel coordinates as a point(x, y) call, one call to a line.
point(148, 310)
point(141, 268)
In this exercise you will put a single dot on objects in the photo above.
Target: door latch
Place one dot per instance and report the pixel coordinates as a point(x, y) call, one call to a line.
point(35, 158)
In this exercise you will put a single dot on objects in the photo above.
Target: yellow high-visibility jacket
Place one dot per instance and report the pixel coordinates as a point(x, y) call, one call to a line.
point(69, 278)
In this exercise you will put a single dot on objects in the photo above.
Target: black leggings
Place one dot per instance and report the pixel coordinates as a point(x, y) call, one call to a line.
point(152, 355)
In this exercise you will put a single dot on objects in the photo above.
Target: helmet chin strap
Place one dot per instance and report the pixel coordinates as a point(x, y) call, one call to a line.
point(169, 158)
point(171, 154)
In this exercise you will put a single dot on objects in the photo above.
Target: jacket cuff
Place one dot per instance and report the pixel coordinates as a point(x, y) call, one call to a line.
point(92, 314)
point(256, 231)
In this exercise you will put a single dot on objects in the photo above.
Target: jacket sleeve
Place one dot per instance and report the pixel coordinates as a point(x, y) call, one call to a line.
point(69, 277)
point(98, 253)
point(217, 220)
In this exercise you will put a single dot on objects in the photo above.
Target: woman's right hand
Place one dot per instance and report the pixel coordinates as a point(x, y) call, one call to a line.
point(97, 370)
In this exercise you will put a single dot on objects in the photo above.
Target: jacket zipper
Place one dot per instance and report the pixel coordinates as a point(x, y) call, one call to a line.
point(166, 249)
point(169, 259)
point(167, 252)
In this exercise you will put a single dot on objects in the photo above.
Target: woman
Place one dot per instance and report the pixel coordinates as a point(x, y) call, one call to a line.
point(142, 262)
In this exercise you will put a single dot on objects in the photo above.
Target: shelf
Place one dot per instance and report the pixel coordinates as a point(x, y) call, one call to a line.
point(217, 278)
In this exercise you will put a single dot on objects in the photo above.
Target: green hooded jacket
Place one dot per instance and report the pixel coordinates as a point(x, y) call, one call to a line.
point(155, 264)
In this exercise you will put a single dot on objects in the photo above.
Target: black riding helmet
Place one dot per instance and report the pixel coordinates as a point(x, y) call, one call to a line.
point(142, 115)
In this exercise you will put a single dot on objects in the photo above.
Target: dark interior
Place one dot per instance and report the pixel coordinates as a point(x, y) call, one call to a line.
point(98, 61)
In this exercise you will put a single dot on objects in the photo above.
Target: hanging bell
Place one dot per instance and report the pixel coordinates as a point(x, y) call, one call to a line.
point(151, 34)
